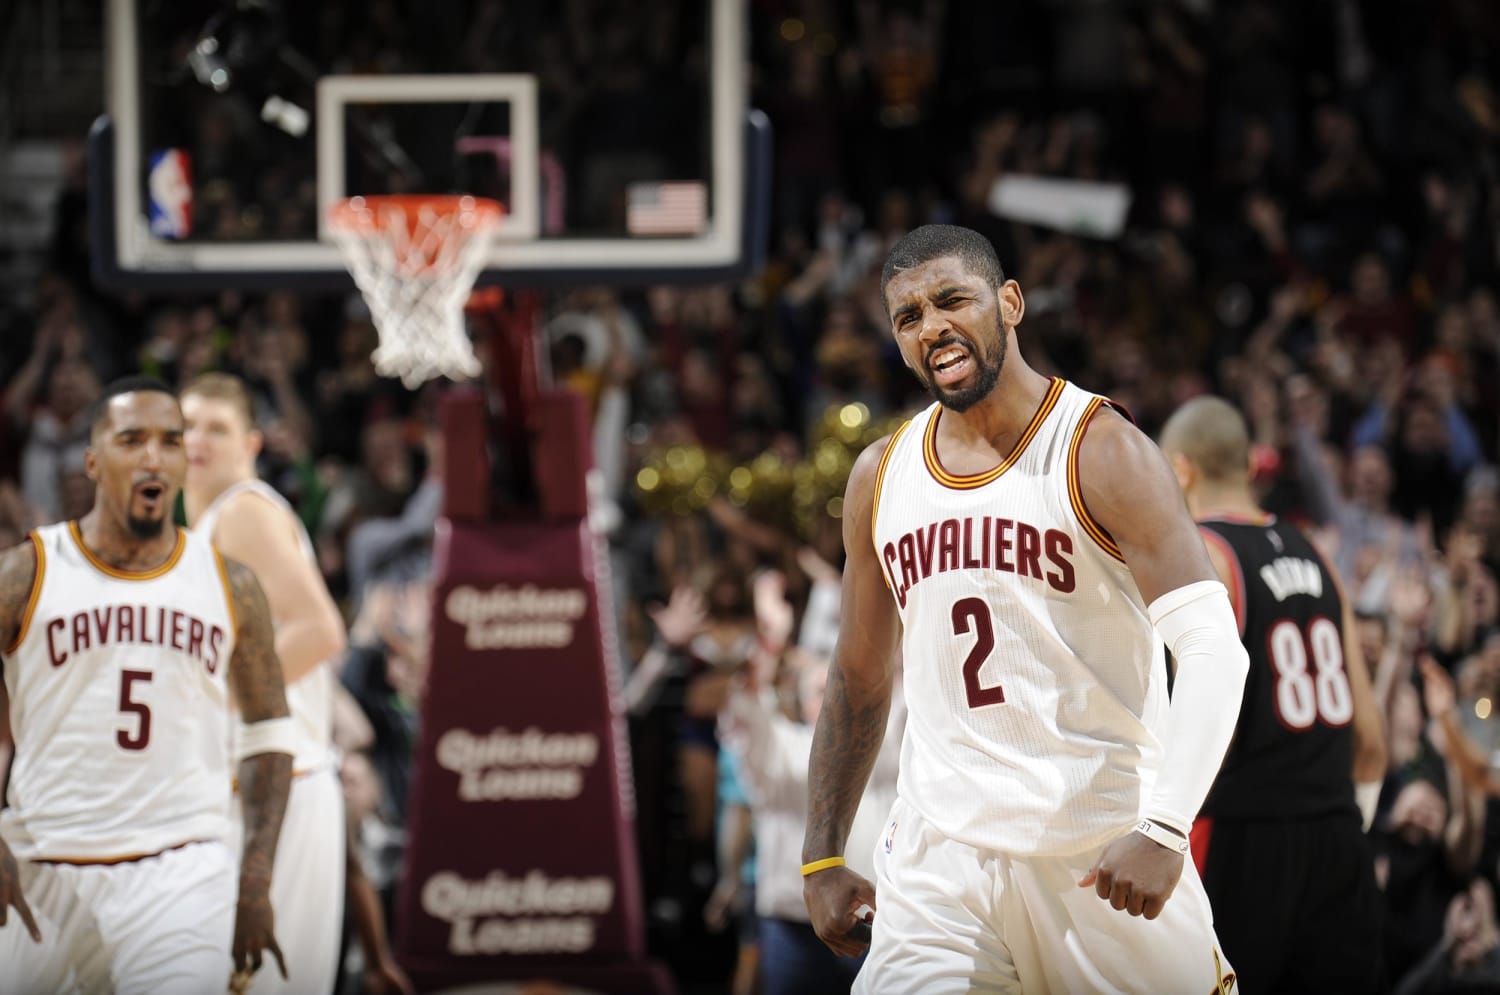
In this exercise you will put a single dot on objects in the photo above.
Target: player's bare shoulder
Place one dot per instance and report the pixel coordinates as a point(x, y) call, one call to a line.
point(18, 578)
point(859, 491)
point(1119, 465)
point(1111, 435)
point(250, 518)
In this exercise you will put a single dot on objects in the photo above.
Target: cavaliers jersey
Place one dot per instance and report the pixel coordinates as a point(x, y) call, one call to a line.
point(309, 699)
point(119, 703)
point(1292, 754)
point(1035, 683)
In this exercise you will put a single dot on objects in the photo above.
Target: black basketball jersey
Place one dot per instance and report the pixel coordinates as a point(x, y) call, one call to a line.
point(1293, 747)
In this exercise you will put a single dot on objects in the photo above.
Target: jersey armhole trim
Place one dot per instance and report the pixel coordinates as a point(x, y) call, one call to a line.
point(36, 592)
point(234, 617)
point(1095, 531)
point(1236, 575)
point(885, 459)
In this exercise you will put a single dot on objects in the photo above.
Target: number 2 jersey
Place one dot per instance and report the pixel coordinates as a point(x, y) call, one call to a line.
point(119, 704)
point(1035, 682)
point(1292, 753)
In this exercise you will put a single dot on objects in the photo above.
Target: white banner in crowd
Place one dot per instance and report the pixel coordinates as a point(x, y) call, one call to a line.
point(1078, 207)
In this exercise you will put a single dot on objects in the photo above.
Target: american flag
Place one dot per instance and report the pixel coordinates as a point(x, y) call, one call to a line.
point(677, 208)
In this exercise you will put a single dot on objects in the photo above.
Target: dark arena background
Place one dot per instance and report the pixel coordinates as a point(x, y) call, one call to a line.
point(558, 572)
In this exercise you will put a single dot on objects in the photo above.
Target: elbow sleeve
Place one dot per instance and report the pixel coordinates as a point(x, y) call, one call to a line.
point(1197, 624)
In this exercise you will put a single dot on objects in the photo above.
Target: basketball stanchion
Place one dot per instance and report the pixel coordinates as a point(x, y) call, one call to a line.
point(520, 860)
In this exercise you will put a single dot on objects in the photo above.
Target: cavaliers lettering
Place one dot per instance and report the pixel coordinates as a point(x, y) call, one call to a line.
point(140, 625)
point(988, 543)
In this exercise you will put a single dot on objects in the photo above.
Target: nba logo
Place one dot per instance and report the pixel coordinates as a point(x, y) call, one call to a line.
point(170, 184)
point(890, 836)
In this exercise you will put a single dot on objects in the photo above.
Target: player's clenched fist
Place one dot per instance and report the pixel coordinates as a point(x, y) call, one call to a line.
point(834, 898)
point(1135, 875)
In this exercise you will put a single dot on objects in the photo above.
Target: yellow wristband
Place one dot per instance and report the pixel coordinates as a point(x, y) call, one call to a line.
point(822, 865)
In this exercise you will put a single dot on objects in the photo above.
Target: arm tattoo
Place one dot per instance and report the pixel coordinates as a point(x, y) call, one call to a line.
point(265, 780)
point(255, 679)
point(17, 574)
point(845, 744)
point(254, 670)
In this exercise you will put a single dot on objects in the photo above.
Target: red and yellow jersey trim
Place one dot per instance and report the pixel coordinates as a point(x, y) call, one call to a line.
point(154, 572)
point(1095, 531)
point(234, 618)
point(36, 591)
point(964, 482)
point(885, 459)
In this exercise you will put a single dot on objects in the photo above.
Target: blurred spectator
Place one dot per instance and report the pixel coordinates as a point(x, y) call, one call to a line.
point(1467, 957)
point(771, 752)
point(58, 434)
point(1431, 840)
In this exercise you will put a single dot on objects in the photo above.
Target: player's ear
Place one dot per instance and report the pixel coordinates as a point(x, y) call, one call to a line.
point(255, 441)
point(1012, 303)
point(91, 463)
point(1183, 468)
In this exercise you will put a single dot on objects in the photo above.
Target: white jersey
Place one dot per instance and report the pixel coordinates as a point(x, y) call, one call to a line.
point(310, 698)
point(1034, 680)
point(119, 704)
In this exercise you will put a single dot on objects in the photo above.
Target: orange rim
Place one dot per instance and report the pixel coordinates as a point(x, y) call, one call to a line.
point(359, 214)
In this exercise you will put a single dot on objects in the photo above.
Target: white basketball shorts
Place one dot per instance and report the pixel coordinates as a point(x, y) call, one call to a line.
point(951, 918)
point(162, 924)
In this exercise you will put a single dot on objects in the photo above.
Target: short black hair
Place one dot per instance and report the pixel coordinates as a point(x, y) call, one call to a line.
point(99, 410)
point(930, 242)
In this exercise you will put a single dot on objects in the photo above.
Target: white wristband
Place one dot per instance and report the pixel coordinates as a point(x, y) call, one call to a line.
point(1367, 797)
point(266, 736)
point(1162, 837)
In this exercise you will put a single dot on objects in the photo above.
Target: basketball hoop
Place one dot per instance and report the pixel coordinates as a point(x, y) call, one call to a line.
point(415, 258)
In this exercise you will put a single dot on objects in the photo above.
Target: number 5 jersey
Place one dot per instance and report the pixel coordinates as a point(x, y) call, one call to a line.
point(119, 704)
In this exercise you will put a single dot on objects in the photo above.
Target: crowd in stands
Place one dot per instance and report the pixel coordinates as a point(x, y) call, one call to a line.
point(1314, 233)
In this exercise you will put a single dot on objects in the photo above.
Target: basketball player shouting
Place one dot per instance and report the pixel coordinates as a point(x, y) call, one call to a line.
point(1033, 548)
point(1279, 841)
point(125, 641)
point(248, 520)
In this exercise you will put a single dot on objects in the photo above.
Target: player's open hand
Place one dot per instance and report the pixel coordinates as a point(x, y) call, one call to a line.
point(834, 898)
point(10, 893)
point(1135, 875)
point(253, 932)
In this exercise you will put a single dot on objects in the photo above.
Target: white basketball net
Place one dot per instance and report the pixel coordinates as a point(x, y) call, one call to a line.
point(415, 261)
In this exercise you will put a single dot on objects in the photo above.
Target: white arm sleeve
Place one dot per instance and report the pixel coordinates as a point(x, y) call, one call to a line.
point(1198, 626)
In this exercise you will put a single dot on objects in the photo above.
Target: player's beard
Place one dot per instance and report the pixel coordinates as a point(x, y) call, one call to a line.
point(986, 374)
point(145, 528)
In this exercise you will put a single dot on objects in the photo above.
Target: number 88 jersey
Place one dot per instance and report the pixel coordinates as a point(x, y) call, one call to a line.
point(1293, 748)
point(119, 704)
point(1035, 683)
